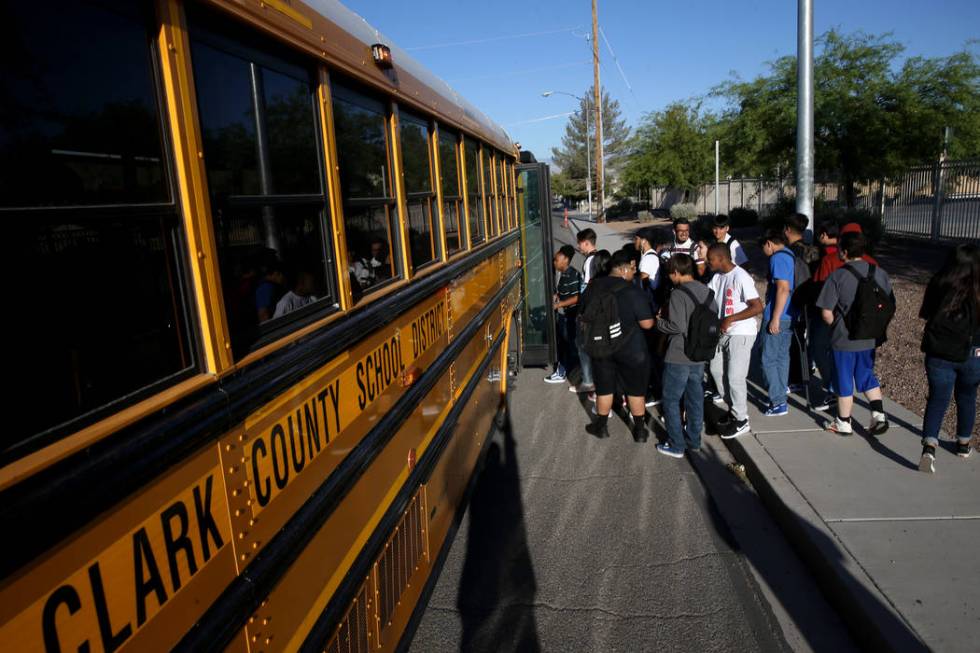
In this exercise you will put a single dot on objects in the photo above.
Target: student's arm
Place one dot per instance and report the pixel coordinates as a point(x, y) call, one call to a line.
point(571, 301)
point(754, 307)
point(676, 320)
point(828, 299)
point(782, 297)
point(827, 315)
point(646, 324)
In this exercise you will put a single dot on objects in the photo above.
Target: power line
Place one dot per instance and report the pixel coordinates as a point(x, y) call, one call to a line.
point(542, 118)
point(490, 40)
point(621, 71)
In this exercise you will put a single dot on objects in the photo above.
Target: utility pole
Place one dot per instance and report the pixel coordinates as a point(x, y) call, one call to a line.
point(600, 215)
point(717, 183)
point(804, 111)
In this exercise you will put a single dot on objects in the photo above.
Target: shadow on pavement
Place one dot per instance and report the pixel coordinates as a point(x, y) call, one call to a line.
point(871, 622)
point(498, 586)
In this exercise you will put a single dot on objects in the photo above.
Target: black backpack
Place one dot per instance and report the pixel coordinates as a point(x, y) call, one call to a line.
point(801, 290)
point(950, 337)
point(703, 329)
point(872, 309)
point(602, 330)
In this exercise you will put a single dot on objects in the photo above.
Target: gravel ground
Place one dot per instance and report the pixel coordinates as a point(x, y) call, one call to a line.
point(899, 364)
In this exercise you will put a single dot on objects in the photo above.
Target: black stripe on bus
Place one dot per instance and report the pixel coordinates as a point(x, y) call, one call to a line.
point(229, 613)
point(335, 610)
point(50, 505)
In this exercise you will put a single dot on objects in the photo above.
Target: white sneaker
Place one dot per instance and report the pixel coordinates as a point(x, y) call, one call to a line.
point(839, 426)
point(555, 377)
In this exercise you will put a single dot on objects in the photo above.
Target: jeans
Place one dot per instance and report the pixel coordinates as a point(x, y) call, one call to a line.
point(681, 380)
point(820, 351)
point(584, 361)
point(735, 353)
point(565, 329)
point(945, 377)
point(775, 360)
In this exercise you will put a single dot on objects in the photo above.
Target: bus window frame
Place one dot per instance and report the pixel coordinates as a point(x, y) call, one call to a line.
point(203, 26)
point(435, 223)
point(475, 194)
point(185, 285)
point(459, 198)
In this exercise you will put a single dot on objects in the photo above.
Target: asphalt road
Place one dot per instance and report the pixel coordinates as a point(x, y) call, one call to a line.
point(576, 544)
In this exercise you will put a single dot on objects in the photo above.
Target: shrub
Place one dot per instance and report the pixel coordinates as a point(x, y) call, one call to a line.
point(620, 208)
point(743, 217)
point(683, 210)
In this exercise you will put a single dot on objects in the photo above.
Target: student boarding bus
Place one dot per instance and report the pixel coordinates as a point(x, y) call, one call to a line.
point(268, 269)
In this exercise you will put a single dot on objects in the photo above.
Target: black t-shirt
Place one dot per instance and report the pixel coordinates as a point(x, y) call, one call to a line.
point(634, 306)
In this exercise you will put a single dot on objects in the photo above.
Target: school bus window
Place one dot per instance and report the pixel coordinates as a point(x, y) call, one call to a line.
point(86, 198)
point(452, 197)
point(488, 191)
point(478, 232)
point(501, 204)
point(370, 212)
point(509, 182)
point(259, 125)
point(416, 163)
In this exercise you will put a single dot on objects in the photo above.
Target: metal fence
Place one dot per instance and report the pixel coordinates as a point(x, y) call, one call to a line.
point(939, 201)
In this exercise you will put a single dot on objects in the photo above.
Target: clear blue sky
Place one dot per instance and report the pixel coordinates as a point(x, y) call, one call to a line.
point(668, 50)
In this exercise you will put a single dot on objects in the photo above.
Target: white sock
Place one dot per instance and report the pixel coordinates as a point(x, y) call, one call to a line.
point(877, 417)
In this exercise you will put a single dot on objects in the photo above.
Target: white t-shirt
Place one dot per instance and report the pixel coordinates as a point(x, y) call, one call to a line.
point(738, 252)
point(291, 302)
point(687, 247)
point(650, 266)
point(733, 290)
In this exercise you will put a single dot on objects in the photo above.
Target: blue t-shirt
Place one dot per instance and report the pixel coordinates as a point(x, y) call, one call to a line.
point(781, 266)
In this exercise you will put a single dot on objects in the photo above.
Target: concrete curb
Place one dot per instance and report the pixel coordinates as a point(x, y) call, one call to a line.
point(872, 619)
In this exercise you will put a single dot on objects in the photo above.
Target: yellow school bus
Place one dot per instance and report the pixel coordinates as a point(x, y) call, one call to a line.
point(269, 269)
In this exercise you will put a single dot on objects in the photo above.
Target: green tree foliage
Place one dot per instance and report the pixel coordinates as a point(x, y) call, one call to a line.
point(874, 116)
point(571, 157)
point(672, 147)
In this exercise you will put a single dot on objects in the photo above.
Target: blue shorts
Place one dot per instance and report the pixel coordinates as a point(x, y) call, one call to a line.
point(855, 371)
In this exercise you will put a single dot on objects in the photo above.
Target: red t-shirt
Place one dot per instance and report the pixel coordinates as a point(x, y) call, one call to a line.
point(831, 261)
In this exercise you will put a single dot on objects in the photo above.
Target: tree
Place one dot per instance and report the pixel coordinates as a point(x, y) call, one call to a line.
point(872, 118)
point(571, 157)
point(673, 147)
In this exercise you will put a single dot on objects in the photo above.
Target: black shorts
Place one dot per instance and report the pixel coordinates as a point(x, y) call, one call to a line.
point(625, 371)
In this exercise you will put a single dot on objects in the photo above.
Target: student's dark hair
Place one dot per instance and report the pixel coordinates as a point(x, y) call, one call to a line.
point(853, 245)
point(567, 251)
point(958, 281)
point(682, 221)
point(829, 228)
point(721, 221)
point(721, 249)
point(772, 236)
point(682, 264)
point(797, 223)
point(632, 251)
point(649, 234)
point(586, 234)
point(622, 257)
point(601, 262)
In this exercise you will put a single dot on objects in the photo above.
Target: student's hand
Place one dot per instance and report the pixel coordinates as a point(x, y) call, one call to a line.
point(774, 327)
point(726, 324)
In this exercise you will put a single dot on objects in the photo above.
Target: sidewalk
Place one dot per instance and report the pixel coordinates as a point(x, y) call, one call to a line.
point(894, 549)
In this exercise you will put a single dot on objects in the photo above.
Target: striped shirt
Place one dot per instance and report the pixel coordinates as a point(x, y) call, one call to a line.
point(569, 285)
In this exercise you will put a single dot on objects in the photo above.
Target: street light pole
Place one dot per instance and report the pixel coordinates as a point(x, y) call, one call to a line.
point(804, 111)
point(588, 155)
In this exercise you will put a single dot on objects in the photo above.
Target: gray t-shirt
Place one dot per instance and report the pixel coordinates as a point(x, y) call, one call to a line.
point(679, 311)
point(838, 295)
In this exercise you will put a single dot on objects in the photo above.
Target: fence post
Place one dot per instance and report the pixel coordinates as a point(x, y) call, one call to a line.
point(937, 198)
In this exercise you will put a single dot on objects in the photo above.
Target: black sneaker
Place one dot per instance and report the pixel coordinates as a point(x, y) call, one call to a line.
point(599, 427)
point(963, 449)
point(639, 429)
point(738, 427)
point(927, 463)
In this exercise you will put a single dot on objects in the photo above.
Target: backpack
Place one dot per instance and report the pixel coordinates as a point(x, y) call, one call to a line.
point(656, 295)
point(950, 337)
point(801, 290)
point(703, 329)
point(871, 310)
point(602, 330)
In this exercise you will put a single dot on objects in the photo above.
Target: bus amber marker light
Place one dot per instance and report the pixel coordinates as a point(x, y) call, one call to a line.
point(382, 55)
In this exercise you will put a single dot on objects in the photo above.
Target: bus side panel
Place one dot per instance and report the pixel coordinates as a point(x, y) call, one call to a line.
point(285, 450)
point(301, 595)
point(135, 578)
point(470, 292)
